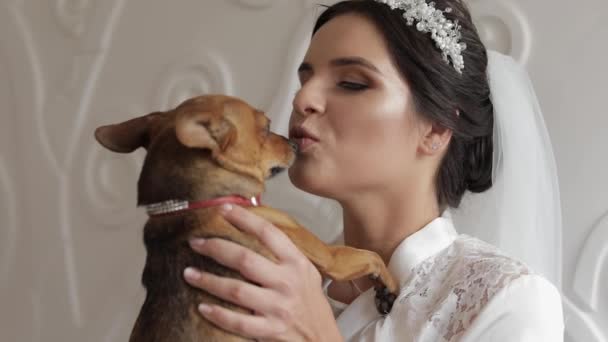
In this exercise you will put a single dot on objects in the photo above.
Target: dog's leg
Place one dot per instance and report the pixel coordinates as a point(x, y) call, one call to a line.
point(337, 262)
point(350, 263)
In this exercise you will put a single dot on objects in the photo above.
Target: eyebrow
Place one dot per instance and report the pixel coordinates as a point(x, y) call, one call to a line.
point(343, 61)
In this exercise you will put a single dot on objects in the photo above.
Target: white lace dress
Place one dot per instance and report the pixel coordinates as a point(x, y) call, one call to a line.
point(456, 288)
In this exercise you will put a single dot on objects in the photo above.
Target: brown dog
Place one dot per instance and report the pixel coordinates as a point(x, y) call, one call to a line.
point(208, 150)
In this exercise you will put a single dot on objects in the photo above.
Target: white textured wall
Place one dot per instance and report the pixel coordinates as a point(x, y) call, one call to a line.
point(70, 238)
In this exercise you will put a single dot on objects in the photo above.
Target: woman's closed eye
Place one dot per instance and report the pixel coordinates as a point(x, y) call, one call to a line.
point(353, 86)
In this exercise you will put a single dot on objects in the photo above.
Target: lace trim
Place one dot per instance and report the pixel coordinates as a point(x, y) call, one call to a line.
point(453, 287)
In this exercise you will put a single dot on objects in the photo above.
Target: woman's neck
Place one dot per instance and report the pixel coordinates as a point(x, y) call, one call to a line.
point(380, 222)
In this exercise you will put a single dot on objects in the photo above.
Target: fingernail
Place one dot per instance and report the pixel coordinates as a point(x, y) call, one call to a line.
point(204, 309)
point(194, 243)
point(225, 208)
point(191, 273)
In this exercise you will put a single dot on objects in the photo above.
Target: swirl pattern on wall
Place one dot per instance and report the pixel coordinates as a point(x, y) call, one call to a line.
point(503, 27)
point(71, 15)
point(593, 259)
point(256, 4)
point(195, 74)
point(111, 187)
point(8, 221)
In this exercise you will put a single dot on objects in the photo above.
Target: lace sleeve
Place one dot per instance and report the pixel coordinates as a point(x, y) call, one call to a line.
point(470, 292)
point(528, 309)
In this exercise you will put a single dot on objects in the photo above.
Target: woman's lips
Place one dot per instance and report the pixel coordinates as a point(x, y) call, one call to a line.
point(304, 143)
point(303, 137)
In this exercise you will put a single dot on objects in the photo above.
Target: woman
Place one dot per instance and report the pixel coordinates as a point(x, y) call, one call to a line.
point(398, 123)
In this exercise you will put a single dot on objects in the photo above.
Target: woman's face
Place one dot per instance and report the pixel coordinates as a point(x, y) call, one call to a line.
point(357, 108)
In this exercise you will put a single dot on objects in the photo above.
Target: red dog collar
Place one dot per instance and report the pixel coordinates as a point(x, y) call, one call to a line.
point(177, 206)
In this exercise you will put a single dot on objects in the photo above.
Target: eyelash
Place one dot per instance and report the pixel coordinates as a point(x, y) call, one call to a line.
point(352, 86)
point(348, 86)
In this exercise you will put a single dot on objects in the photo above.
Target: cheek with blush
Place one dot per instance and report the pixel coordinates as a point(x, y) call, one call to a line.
point(375, 151)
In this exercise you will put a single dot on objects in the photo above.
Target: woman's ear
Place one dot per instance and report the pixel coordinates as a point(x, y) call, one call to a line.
point(435, 139)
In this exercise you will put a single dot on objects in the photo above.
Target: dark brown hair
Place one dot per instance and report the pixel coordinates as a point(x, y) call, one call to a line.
point(439, 91)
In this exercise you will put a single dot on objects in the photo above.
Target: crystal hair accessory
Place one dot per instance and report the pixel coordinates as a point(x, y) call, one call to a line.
point(444, 32)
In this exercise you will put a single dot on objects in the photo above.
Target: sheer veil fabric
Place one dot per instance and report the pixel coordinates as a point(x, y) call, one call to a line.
point(521, 213)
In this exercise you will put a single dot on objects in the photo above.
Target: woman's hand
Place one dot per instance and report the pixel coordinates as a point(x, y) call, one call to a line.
point(289, 303)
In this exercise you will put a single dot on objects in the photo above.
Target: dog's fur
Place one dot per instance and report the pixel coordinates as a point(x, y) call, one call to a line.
point(208, 147)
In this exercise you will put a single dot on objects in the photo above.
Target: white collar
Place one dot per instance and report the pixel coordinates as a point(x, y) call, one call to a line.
point(428, 241)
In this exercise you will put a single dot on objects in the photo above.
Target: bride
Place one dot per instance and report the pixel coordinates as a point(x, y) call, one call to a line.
point(421, 135)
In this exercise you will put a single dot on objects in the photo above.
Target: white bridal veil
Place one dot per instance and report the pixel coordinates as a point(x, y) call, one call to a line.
point(521, 213)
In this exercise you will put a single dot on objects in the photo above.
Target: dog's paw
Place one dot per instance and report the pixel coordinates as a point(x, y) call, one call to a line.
point(384, 300)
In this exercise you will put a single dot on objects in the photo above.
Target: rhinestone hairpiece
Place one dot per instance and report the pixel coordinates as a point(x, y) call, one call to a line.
point(444, 32)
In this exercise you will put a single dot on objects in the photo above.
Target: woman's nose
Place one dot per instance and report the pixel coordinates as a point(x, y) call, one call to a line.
point(309, 99)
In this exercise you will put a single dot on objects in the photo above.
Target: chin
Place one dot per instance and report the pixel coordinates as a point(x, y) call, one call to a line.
point(307, 182)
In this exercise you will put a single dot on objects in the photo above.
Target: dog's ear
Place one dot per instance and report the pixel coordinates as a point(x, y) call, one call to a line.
point(127, 136)
point(203, 130)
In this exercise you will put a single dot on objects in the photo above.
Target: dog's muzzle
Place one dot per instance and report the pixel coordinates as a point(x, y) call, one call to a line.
point(276, 170)
point(294, 146)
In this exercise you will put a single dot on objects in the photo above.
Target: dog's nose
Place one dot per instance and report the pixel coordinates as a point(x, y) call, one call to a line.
point(276, 170)
point(294, 145)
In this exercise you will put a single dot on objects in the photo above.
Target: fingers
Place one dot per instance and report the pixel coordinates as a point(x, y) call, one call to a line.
point(272, 237)
point(274, 300)
point(242, 324)
point(232, 290)
point(250, 264)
